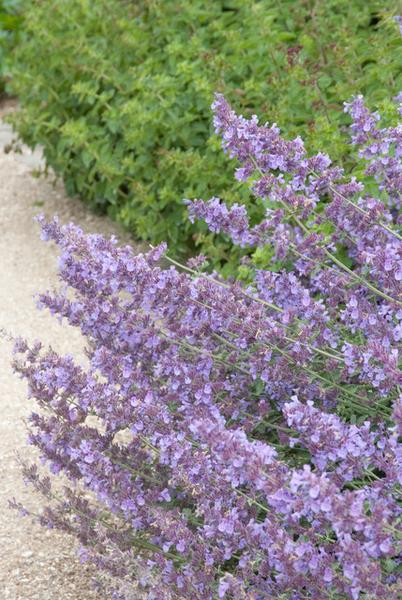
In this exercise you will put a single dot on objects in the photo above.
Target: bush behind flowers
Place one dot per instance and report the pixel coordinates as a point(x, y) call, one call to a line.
point(121, 104)
point(11, 22)
point(228, 440)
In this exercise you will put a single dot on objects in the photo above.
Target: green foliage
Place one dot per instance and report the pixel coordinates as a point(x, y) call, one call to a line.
point(10, 23)
point(119, 94)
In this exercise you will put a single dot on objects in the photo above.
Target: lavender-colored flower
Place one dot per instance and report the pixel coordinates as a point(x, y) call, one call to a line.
point(230, 440)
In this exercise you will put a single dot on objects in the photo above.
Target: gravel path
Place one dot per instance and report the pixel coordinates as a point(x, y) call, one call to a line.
point(35, 564)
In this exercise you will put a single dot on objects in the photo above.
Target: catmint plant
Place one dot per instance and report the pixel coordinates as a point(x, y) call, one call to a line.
point(227, 439)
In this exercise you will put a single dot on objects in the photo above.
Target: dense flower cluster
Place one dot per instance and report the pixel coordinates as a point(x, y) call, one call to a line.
point(231, 441)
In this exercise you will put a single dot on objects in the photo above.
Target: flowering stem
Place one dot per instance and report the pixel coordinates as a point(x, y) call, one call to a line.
point(333, 258)
point(342, 266)
point(362, 211)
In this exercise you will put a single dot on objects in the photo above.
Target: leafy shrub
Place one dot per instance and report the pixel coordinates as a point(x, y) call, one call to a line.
point(10, 24)
point(118, 93)
point(247, 440)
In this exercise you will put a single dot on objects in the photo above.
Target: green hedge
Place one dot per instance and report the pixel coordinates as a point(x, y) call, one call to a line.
point(10, 24)
point(119, 93)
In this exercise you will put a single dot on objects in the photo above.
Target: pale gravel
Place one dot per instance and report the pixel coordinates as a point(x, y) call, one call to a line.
point(35, 564)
